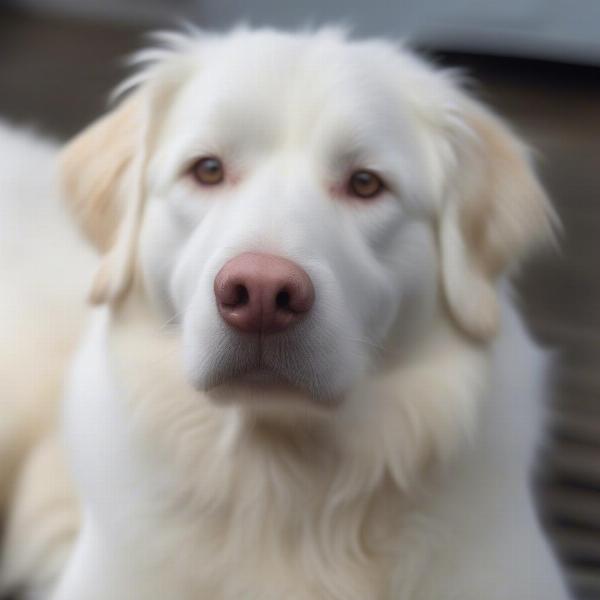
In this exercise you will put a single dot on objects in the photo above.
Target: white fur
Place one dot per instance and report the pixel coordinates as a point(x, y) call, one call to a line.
point(397, 466)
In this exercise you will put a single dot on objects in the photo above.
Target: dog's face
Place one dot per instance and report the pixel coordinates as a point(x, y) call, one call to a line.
point(273, 150)
point(302, 207)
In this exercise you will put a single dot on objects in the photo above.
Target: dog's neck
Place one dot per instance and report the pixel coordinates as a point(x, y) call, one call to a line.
point(356, 470)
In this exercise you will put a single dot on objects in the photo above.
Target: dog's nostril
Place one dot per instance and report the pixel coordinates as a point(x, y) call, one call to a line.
point(241, 295)
point(282, 300)
point(236, 296)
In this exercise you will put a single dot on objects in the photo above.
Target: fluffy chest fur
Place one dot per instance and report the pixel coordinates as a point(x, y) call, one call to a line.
point(319, 507)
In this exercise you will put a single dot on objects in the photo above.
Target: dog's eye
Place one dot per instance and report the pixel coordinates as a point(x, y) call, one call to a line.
point(208, 171)
point(365, 184)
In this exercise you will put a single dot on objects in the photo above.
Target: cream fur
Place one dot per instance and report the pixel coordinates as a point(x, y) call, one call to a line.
point(397, 467)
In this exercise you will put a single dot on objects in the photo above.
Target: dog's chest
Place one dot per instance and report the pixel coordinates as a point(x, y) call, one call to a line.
point(215, 515)
point(245, 528)
point(260, 539)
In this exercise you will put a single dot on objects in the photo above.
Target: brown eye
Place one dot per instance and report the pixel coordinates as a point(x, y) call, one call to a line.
point(208, 171)
point(365, 184)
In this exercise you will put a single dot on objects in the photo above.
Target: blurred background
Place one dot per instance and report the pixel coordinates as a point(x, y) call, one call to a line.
point(536, 61)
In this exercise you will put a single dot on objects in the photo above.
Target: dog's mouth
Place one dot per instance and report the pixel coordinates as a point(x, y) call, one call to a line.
point(264, 391)
point(305, 362)
point(249, 370)
point(260, 378)
point(263, 377)
point(260, 382)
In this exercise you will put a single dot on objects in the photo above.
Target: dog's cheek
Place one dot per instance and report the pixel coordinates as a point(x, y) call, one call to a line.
point(190, 352)
point(197, 355)
point(340, 348)
point(189, 283)
point(370, 296)
point(407, 287)
point(159, 246)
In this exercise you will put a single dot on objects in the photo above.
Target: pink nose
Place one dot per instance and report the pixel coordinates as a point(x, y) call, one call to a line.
point(262, 293)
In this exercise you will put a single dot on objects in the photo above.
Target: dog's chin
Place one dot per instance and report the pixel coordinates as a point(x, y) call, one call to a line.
point(263, 391)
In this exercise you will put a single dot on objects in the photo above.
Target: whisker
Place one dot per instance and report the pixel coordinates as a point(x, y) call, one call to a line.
point(170, 321)
point(364, 341)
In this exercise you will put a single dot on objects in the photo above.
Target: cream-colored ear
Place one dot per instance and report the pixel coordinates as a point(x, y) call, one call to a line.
point(498, 212)
point(95, 167)
point(102, 174)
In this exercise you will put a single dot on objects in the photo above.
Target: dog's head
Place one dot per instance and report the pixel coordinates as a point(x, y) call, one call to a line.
point(302, 207)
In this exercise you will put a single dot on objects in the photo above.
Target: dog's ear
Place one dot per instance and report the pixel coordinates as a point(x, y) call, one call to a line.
point(101, 173)
point(496, 213)
point(95, 169)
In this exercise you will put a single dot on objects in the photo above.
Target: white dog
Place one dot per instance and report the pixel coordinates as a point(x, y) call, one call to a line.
point(305, 379)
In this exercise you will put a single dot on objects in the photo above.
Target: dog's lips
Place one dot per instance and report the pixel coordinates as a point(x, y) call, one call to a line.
point(262, 376)
point(279, 365)
point(266, 387)
point(256, 380)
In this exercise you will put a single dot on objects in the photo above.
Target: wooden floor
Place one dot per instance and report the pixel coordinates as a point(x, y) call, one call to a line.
point(57, 75)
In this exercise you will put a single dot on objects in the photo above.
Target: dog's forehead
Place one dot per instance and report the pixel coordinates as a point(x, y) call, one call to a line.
point(272, 57)
point(274, 79)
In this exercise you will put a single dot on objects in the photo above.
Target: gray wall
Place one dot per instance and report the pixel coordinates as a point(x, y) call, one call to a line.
point(559, 29)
